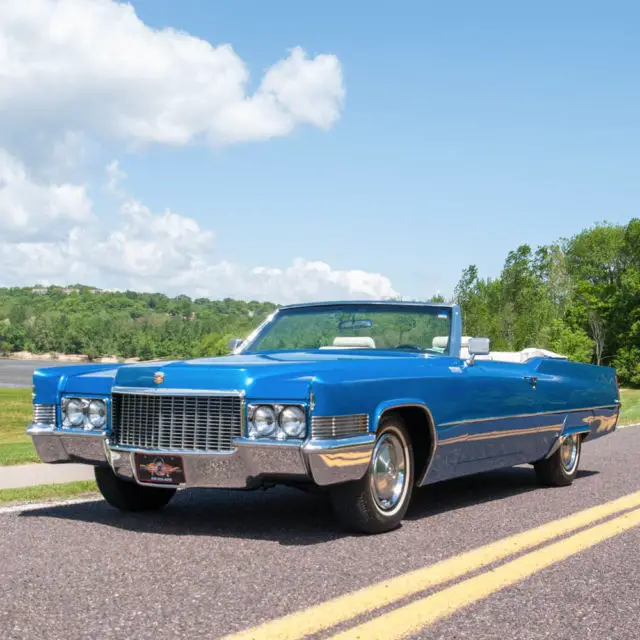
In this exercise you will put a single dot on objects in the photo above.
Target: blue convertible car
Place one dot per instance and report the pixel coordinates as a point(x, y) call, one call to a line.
point(364, 399)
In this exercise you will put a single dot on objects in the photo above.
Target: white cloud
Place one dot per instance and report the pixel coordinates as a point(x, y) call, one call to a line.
point(76, 73)
point(30, 210)
point(145, 251)
point(68, 153)
point(115, 176)
point(93, 65)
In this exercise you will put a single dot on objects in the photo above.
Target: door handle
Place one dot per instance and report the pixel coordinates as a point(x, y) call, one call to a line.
point(532, 380)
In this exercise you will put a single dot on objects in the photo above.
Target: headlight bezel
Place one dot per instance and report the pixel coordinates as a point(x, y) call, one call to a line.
point(86, 424)
point(278, 434)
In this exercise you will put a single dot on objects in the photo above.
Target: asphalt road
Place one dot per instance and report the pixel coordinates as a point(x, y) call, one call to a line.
point(18, 373)
point(216, 562)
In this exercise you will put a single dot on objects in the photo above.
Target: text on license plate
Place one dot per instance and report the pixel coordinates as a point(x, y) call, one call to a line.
point(159, 469)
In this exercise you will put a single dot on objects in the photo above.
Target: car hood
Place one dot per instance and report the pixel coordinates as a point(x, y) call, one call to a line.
point(261, 376)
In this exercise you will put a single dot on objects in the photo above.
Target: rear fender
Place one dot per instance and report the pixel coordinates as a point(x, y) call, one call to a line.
point(590, 424)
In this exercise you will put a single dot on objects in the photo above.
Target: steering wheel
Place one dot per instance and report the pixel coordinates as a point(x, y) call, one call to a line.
point(412, 347)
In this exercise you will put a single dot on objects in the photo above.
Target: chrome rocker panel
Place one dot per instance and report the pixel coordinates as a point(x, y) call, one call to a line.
point(252, 463)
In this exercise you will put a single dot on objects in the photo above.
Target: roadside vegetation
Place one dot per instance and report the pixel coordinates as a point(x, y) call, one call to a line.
point(15, 416)
point(630, 413)
point(45, 492)
point(86, 321)
point(579, 297)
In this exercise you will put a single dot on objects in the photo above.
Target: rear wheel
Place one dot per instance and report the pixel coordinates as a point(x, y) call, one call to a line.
point(129, 496)
point(378, 501)
point(561, 468)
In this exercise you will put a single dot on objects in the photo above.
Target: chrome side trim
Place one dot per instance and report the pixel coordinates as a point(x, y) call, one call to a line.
point(528, 415)
point(432, 433)
point(490, 435)
point(159, 391)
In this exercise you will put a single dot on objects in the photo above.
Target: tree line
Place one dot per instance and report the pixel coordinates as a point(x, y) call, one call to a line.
point(83, 320)
point(578, 296)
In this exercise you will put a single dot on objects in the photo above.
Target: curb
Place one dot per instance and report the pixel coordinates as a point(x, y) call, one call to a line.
point(34, 474)
point(34, 506)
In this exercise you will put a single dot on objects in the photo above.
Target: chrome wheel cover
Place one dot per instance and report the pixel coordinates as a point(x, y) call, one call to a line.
point(388, 471)
point(569, 453)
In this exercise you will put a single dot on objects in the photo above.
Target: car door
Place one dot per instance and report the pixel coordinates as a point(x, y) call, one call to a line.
point(495, 414)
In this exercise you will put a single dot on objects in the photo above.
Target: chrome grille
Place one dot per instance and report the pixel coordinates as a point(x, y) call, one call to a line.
point(339, 426)
point(44, 413)
point(192, 423)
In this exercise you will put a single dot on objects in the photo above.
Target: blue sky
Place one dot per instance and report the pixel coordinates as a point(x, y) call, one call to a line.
point(466, 129)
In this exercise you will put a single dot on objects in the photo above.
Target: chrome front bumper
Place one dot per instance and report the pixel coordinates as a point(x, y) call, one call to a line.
point(252, 463)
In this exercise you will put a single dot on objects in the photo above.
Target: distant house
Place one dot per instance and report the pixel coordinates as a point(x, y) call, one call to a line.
point(39, 291)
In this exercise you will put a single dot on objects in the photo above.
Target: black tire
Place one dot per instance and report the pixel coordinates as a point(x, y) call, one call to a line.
point(354, 502)
point(555, 471)
point(129, 496)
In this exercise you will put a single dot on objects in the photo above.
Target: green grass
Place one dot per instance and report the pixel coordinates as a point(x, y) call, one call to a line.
point(630, 413)
point(46, 492)
point(15, 416)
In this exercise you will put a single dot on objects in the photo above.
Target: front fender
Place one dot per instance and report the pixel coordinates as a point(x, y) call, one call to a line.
point(415, 403)
point(399, 403)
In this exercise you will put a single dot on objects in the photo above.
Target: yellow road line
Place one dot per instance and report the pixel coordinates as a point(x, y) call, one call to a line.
point(413, 617)
point(327, 614)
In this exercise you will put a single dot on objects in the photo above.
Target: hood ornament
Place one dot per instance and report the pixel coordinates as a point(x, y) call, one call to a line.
point(158, 377)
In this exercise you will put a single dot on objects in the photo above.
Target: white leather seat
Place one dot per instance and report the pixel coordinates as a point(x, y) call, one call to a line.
point(352, 342)
point(442, 342)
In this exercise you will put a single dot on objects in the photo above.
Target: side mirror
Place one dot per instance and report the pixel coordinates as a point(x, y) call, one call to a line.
point(234, 343)
point(477, 347)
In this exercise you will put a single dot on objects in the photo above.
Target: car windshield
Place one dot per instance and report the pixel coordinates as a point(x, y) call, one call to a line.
point(419, 328)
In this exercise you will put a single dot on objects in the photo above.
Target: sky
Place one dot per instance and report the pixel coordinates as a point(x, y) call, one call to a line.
point(292, 151)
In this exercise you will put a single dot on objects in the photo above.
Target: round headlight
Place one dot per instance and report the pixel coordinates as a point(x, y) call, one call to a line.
point(292, 421)
point(97, 414)
point(75, 412)
point(264, 422)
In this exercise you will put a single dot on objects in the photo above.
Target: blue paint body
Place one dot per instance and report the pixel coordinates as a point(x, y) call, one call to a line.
point(485, 415)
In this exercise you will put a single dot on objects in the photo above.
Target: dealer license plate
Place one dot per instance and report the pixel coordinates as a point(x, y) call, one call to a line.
point(159, 469)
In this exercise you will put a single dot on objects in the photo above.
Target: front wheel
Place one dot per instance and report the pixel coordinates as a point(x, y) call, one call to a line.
point(378, 501)
point(561, 468)
point(129, 496)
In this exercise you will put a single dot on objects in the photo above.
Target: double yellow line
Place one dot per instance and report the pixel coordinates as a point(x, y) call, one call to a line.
point(410, 618)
